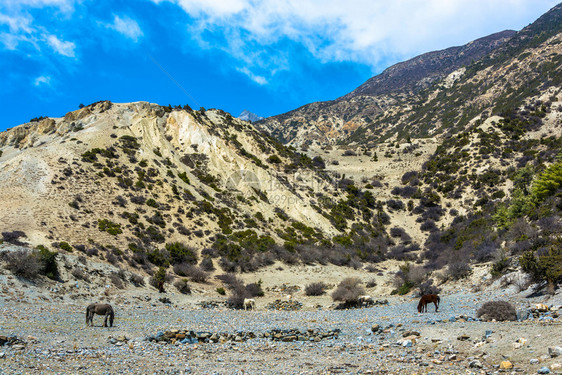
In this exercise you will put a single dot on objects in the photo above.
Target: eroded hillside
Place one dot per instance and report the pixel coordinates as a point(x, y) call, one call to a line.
point(128, 182)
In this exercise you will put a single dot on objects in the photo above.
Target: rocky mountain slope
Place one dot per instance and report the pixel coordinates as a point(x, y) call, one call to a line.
point(432, 93)
point(152, 185)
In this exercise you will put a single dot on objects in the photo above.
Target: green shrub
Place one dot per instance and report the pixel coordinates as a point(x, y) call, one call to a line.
point(221, 291)
point(546, 267)
point(549, 182)
point(158, 258)
point(110, 227)
point(159, 279)
point(49, 261)
point(152, 203)
point(65, 246)
point(404, 288)
point(184, 178)
point(181, 253)
point(274, 159)
point(500, 266)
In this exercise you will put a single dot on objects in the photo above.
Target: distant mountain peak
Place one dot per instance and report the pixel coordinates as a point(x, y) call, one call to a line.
point(249, 116)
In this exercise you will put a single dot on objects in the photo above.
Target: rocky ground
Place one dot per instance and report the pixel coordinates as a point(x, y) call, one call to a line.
point(150, 336)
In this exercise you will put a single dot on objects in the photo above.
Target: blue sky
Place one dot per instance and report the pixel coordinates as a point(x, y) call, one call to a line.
point(268, 56)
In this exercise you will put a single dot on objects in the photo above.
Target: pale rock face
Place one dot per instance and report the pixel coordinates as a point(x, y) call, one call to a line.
point(450, 80)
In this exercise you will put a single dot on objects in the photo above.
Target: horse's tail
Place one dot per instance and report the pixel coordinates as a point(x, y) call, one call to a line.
point(87, 313)
point(111, 316)
point(420, 304)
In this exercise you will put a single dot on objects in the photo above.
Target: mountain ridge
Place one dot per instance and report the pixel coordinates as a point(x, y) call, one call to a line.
point(363, 116)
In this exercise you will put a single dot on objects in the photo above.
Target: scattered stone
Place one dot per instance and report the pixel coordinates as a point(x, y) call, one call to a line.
point(407, 343)
point(375, 328)
point(543, 370)
point(534, 361)
point(523, 314)
point(296, 335)
point(475, 364)
point(506, 365)
point(289, 305)
point(463, 337)
point(555, 351)
point(541, 307)
point(410, 333)
point(210, 304)
point(11, 341)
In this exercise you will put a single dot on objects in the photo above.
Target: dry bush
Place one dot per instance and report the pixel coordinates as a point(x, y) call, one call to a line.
point(23, 264)
point(498, 310)
point(417, 274)
point(111, 258)
point(183, 286)
point(13, 237)
point(348, 291)
point(236, 299)
point(315, 289)
point(255, 290)
point(227, 265)
point(230, 280)
point(79, 274)
point(427, 287)
point(195, 273)
point(458, 270)
point(371, 283)
point(137, 280)
point(116, 280)
point(371, 268)
point(207, 264)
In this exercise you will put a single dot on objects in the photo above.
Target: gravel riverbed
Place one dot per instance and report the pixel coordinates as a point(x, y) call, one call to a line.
point(56, 340)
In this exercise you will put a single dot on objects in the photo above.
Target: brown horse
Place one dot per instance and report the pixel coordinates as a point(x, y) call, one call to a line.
point(100, 309)
point(428, 298)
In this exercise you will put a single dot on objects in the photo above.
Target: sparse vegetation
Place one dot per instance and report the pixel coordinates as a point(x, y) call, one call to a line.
point(348, 291)
point(315, 289)
point(498, 310)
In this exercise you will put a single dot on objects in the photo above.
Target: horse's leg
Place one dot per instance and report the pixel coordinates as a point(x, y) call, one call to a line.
point(105, 320)
point(436, 305)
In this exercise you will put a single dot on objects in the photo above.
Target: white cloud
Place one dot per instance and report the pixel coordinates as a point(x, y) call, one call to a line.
point(17, 23)
point(61, 47)
point(42, 80)
point(126, 26)
point(18, 28)
point(371, 32)
point(260, 80)
point(62, 5)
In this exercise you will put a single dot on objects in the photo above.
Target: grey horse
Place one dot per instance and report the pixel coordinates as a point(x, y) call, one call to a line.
point(100, 309)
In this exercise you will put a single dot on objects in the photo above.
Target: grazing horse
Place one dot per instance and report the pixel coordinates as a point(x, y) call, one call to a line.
point(428, 298)
point(100, 309)
point(249, 303)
